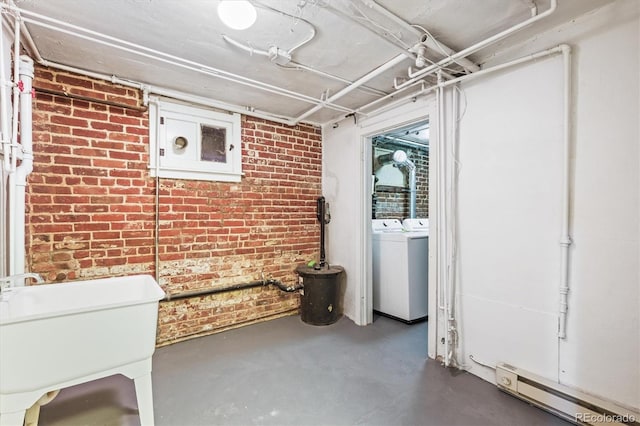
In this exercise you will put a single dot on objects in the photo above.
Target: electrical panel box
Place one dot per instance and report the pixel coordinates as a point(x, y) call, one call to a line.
point(195, 143)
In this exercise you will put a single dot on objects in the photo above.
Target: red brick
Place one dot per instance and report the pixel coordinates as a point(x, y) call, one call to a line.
point(74, 81)
point(88, 133)
point(211, 233)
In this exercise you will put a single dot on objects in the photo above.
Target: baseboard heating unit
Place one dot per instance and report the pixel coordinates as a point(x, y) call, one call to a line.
point(570, 404)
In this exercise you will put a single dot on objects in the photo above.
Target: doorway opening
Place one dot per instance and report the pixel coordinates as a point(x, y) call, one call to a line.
point(399, 226)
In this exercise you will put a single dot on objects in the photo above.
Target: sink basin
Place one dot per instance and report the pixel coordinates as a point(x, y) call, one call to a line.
point(57, 335)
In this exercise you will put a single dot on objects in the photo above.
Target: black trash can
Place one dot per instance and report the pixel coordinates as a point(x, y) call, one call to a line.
point(320, 304)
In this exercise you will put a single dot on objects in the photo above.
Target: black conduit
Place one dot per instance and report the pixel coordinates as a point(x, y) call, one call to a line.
point(241, 286)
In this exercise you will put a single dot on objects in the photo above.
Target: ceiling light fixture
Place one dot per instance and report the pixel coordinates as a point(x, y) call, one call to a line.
point(237, 14)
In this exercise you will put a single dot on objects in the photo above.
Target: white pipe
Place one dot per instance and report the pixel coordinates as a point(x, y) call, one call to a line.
point(405, 50)
point(565, 239)
point(19, 178)
point(112, 78)
point(360, 109)
point(518, 61)
point(448, 304)
point(451, 218)
point(249, 49)
point(172, 93)
point(410, 72)
point(440, 219)
point(415, 77)
point(359, 82)
point(6, 150)
point(296, 19)
point(412, 188)
point(426, 90)
point(446, 51)
point(296, 65)
point(153, 54)
point(400, 158)
point(16, 96)
point(532, 7)
point(13, 153)
point(195, 66)
point(30, 44)
point(156, 104)
point(199, 100)
point(5, 134)
point(293, 65)
point(413, 97)
point(425, 39)
point(177, 95)
point(482, 44)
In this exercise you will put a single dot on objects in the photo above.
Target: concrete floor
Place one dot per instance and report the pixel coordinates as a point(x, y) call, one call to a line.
point(285, 372)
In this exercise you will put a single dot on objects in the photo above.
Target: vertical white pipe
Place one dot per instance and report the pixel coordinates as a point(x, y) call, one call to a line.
point(413, 189)
point(451, 220)
point(16, 96)
point(13, 153)
point(25, 168)
point(442, 220)
point(5, 141)
point(154, 103)
point(4, 106)
point(565, 239)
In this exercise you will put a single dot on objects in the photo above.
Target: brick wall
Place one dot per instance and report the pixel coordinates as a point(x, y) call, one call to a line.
point(393, 203)
point(91, 208)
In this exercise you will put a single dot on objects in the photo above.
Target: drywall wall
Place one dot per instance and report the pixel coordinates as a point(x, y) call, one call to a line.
point(509, 199)
point(510, 217)
point(604, 327)
point(509, 210)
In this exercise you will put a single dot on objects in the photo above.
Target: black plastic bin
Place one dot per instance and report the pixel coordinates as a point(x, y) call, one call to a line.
point(320, 304)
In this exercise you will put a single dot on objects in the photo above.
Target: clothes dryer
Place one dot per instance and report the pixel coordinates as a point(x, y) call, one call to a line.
point(400, 271)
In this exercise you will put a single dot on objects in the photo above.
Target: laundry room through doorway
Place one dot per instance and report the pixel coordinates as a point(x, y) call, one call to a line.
point(400, 222)
point(391, 191)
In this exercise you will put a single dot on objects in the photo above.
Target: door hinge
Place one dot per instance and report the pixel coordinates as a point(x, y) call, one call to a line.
point(161, 120)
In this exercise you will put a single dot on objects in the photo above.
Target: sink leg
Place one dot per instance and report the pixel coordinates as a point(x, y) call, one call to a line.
point(144, 395)
point(15, 418)
point(32, 415)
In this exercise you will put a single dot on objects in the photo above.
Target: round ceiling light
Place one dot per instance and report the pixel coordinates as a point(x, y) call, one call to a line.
point(237, 14)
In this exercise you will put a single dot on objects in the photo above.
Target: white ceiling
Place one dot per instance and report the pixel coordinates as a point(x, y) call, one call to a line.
point(179, 44)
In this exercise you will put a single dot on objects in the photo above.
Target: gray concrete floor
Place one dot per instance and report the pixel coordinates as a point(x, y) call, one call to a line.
point(286, 372)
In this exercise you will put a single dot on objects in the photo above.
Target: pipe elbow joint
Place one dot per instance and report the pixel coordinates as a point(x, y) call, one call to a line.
point(566, 241)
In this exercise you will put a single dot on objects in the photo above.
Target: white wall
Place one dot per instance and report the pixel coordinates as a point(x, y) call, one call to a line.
point(341, 187)
point(604, 328)
point(509, 210)
point(509, 218)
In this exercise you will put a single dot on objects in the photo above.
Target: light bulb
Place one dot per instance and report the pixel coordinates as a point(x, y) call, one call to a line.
point(399, 156)
point(237, 14)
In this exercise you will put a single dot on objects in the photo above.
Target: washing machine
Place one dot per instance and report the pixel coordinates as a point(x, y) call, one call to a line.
point(400, 271)
point(416, 225)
